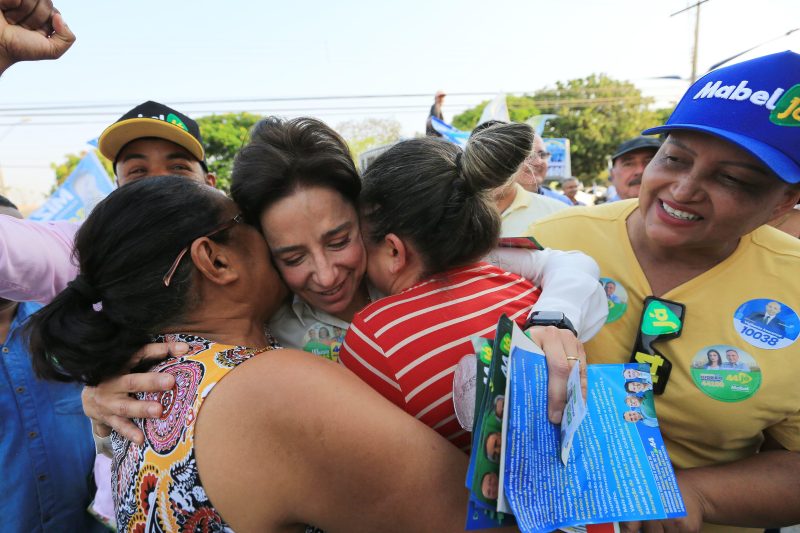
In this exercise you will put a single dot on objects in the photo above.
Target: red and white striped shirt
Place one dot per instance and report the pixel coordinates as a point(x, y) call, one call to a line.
point(406, 346)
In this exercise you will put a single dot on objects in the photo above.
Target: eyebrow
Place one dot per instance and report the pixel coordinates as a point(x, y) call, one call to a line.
point(170, 156)
point(755, 168)
point(327, 234)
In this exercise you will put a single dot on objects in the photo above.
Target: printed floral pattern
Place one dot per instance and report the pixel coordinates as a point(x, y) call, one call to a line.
point(157, 486)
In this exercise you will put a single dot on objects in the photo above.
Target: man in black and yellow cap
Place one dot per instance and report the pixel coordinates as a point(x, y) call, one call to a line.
point(154, 140)
point(149, 140)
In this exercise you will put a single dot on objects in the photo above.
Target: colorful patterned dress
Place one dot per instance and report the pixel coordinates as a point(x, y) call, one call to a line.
point(157, 486)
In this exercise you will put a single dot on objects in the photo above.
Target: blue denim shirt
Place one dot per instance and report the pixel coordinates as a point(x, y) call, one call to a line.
point(46, 447)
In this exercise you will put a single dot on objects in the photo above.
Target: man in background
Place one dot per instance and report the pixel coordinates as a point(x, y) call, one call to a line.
point(533, 171)
point(436, 111)
point(570, 188)
point(627, 166)
point(47, 452)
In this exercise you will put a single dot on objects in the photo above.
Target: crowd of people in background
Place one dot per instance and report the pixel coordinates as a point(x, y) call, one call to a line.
point(328, 310)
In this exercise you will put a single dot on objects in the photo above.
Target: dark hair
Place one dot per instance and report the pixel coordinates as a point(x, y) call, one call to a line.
point(428, 191)
point(285, 155)
point(5, 202)
point(484, 125)
point(719, 356)
point(124, 249)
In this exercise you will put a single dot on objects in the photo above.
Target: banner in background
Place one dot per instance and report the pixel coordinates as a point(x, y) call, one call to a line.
point(81, 191)
point(560, 166)
point(454, 135)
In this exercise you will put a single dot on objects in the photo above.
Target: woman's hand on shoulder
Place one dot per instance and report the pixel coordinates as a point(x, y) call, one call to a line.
point(110, 404)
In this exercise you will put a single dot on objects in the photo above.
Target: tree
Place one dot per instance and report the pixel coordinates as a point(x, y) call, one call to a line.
point(223, 136)
point(63, 170)
point(520, 109)
point(361, 135)
point(596, 113)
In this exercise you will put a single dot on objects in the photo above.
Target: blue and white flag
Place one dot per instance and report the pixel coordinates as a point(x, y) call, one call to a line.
point(81, 191)
point(454, 135)
point(497, 109)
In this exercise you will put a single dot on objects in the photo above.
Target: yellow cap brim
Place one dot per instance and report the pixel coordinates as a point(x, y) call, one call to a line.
point(121, 133)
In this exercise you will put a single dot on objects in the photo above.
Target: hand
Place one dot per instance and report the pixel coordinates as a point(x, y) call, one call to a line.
point(558, 344)
point(51, 38)
point(30, 14)
point(691, 523)
point(110, 405)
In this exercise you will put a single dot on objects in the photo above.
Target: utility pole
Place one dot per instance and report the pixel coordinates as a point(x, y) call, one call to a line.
point(696, 35)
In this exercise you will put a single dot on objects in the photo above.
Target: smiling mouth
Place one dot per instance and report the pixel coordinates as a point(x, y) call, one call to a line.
point(332, 291)
point(678, 214)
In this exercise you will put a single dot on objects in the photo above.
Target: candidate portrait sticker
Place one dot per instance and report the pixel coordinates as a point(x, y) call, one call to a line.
point(767, 324)
point(726, 373)
point(617, 298)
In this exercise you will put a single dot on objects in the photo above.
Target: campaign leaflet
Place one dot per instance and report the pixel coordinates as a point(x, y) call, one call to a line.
point(617, 468)
point(484, 468)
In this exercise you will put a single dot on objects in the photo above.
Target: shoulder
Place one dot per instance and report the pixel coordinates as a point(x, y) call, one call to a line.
point(545, 202)
point(776, 244)
point(579, 219)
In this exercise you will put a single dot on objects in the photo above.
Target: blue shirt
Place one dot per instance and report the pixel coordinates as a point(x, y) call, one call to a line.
point(46, 446)
point(546, 191)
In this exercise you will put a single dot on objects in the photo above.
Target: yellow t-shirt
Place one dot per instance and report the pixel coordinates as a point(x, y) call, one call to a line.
point(700, 429)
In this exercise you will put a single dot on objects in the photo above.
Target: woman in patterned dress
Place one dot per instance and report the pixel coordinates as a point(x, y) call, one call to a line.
point(260, 450)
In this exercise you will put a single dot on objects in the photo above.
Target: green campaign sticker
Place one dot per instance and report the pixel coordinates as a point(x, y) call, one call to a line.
point(617, 298)
point(787, 109)
point(726, 373)
point(173, 119)
point(659, 320)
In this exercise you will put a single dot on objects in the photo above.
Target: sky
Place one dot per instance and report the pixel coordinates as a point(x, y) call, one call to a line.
point(290, 58)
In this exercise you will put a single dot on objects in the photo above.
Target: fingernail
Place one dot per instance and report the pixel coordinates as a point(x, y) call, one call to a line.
point(165, 382)
point(556, 416)
point(153, 411)
point(180, 348)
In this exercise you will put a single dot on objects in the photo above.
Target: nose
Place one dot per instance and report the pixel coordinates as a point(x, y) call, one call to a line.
point(687, 188)
point(324, 272)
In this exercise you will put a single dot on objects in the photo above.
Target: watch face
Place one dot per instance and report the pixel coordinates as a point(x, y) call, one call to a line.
point(548, 316)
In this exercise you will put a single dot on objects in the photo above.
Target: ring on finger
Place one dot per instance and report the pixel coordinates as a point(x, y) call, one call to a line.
point(573, 358)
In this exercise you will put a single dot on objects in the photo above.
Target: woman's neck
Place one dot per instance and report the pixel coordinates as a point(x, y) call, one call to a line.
point(225, 330)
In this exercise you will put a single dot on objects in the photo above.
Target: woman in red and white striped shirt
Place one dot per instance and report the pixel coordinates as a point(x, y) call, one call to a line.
point(427, 220)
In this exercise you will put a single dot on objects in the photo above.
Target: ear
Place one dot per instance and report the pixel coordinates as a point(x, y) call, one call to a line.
point(211, 179)
point(789, 199)
point(400, 254)
point(213, 261)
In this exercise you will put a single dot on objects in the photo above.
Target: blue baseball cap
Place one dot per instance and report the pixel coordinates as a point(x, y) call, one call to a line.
point(754, 105)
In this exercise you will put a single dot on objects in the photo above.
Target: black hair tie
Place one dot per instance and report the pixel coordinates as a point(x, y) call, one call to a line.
point(458, 161)
point(86, 291)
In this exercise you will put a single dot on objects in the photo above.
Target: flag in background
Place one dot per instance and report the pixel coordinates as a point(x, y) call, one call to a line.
point(454, 135)
point(81, 191)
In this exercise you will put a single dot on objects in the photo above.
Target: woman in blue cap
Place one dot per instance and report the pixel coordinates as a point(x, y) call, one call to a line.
point(695, 258)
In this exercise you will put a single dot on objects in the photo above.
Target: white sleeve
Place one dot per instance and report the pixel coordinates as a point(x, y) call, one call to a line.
point(569, 282)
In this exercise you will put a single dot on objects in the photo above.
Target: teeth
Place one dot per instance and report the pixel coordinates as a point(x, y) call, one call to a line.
point(682, 215)
point(332, 291)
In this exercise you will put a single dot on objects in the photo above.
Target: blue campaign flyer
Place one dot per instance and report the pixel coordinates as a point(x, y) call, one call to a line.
point(618, 468)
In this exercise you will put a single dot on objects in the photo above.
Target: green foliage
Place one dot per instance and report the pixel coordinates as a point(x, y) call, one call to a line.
point(361, 135)
point(596, 113)
point(64, 169)
point(520, 109)
point(223, 136)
